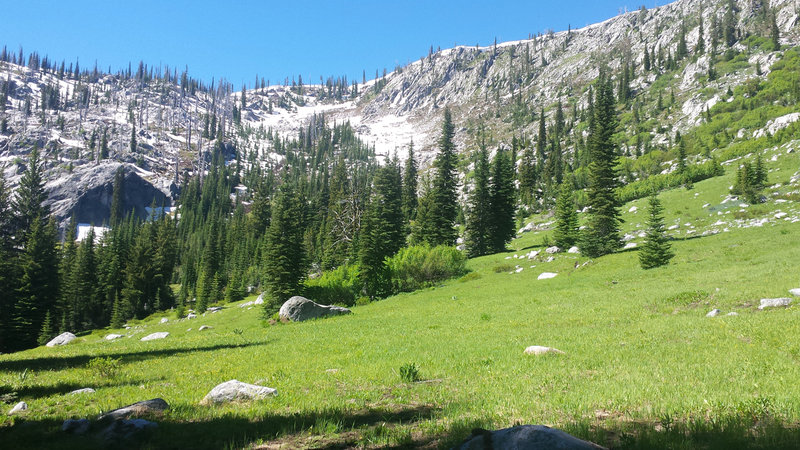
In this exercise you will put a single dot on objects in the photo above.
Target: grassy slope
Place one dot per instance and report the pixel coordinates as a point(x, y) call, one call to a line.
point(642, 365)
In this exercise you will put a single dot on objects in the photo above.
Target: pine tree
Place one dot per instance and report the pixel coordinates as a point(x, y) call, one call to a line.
point(656, 250)
point(410, 185)
point(502, 200)
point(527, 176)
point(775, 32)
point(566, 233)
point(601, 236)
point(30, 197)
point(477, 233)
point(38, 284)
point(133, 139)
point(682, 50)
point(759, 173)
point(8, 266)
point(117, 314)
point(700, 48)
point(444, 197)
point(729, 24)
point(47, 329)
point(117, 196)
point(681, 157)
point(284, 253)
point(383, 233)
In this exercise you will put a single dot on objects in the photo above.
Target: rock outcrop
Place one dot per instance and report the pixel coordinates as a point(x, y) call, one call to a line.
point(154, 336)
point(235, 390)
point(527, 437)
point(146, 407)
point(62, 339)
point(298, 309)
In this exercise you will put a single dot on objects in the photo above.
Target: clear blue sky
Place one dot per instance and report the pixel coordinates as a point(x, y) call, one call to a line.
point(239, 39)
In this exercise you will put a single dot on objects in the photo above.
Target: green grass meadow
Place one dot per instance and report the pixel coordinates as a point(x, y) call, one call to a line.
point(642, 365)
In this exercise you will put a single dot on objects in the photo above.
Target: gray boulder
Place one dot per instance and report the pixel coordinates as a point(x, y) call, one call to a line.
point(153, 406)
point(541, 350)
point(120, 430)
point(159, 335)
point(75, 426)
point(298, 309)
point(713, 313)
point(19, 407)
point(259, 300)
point(112, 336)
point(235, 390)
point(205, 327)
point(83, 391)
point(62, 339)
point(774, 302)
point(526, 437)
point(795, 292)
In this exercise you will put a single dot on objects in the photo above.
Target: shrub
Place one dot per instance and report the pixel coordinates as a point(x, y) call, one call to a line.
point(339, 286)
point(420, 266)
point(409, 373)
point(107, 367)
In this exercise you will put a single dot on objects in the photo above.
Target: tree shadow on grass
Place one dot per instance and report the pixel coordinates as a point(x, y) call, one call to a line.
point(39, 390)
point(330, 428)
point(67, 362)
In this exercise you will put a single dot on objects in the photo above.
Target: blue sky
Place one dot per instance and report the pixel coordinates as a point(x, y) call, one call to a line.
point(237, 40)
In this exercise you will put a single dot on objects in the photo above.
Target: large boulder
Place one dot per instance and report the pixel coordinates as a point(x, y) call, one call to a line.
point(146, 407)
point(795, 292)
point(298, 309)
point(774, 302)
point(546, 276)
point(18, 408)
point(235, 390)
point(542, 350)
point(154, 336)
point(62, 339)
point(526, 437)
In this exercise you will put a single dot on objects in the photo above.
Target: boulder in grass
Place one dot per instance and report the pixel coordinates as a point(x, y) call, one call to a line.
point(528, 437)
point(298, 309)
point(795, 292)
point(83, 391)
point(552, 250)
point(774, 302)
point(546, 275)
point(573, 250)
point(18, 408)
point(75, 426)
point(111, 337)
point(259, 300)
point(154, 336)
point(713, 313)
point(235, 390)
point(61, 339)
point(541, 350)
point(205, 327)
point(163, 320)
point(146, 407)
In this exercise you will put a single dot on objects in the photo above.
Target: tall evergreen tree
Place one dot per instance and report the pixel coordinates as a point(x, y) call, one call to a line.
point(502, 201)
point(601, 236)
point(444, 196)
point(477, 233)
point(284, 253)
point(383, 232)
point(30, 197)
point(410, 185)
point(656, 250)
point(8, 266)
point(566, 233)
point(38, 284)
point(117, 196)
point(527, 175)
point(700, 48)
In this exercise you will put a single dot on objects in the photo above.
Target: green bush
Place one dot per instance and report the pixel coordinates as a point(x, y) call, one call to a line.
point(107, 367)
point(409, 373)
point(339, 286)
point(655, 183)
point(421, 266)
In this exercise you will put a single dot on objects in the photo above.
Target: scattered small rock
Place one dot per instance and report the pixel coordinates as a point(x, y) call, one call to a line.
point(164, 320)
point(19, 407)
point(111, 337)
point(191, 316)
point(553, 249)
point(629, 245)
point(518, 270)
point(259, 300)
point(633, 209)
point(205, 327)
point(159, 335)
point(298, 309)
point(532, 254)
point(573, 249)
point(732, 313)
point(214, 309)
point(713, 313)
point(795, 292)
point(75, 426)
point(531, 437)
point(153, 406)
point(83, 391)
point(774, 302)
point(62, 339)
point(546, 275)
point(540, 350)
point(235, 390)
